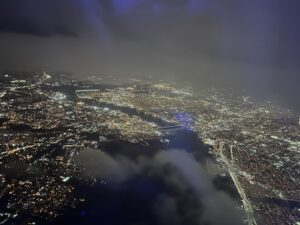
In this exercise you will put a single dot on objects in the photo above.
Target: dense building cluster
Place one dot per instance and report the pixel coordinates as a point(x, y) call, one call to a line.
point(47, 119)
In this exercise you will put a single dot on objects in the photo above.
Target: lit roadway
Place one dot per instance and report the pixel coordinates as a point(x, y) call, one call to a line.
point(246, 202)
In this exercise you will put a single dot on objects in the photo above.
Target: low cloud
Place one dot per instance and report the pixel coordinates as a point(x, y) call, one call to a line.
point(188, 195)
point(101, 165)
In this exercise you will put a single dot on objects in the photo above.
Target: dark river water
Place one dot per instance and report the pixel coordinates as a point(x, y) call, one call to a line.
point(133, 201)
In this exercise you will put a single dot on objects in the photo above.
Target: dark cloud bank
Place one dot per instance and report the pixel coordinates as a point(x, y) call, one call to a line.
point(180, 190)
point(235, 44)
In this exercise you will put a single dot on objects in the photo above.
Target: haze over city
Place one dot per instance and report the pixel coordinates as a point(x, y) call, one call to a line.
point(236, 44)
point(149, 112)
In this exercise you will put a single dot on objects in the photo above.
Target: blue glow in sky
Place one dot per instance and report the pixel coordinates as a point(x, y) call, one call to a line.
point(157, 8)
point(124, 5)
point(194, 6)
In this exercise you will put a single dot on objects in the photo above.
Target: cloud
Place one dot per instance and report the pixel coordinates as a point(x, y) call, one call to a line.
point(236, 45)
point(101, 165)
point(32, 17)
point(187, 195)
point(67, 18)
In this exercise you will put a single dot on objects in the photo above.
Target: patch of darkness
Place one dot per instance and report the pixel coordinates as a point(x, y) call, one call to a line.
point(132, 202)
point(184, 139)
point(291, 204)
point(27, 128)
point(14, 170)
point(225, 183)
point(131, 150)
point(19, 127)
point(3, 120)
point(130, 111)
point(91, 136)
point(190, 142)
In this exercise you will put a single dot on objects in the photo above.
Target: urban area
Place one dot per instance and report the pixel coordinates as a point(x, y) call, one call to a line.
point(48, 118)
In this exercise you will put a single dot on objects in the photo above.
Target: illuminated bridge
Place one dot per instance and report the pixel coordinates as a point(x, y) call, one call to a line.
point(171, 128)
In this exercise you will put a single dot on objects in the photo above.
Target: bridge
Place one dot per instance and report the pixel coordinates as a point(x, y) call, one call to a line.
point(171, 128)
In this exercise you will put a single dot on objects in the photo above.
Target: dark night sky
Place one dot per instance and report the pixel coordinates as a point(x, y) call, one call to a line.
point(233, 43)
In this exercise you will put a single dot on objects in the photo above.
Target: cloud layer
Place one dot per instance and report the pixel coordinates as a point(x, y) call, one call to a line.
point(248, 44)
point(186, 196)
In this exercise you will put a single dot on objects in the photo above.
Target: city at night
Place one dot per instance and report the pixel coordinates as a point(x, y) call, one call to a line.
point(149, 112)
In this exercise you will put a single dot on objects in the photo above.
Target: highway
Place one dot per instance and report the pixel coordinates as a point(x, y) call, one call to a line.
point(246, 203)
